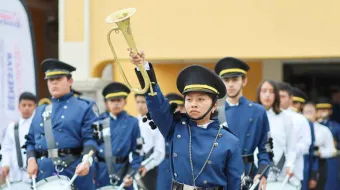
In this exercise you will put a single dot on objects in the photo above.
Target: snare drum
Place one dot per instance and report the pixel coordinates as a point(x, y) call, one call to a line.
point(278, 186)
point(54, 183)
point(17, 186)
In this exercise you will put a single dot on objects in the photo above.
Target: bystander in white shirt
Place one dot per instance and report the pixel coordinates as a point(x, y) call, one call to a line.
point(9, 154)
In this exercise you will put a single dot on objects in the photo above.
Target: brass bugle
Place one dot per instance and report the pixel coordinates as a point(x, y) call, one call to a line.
point(122, 20)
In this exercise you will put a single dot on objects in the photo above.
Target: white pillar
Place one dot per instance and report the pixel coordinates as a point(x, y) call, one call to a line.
point(76, 53)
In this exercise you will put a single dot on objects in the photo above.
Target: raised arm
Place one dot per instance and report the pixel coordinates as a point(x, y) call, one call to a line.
point(158, 105)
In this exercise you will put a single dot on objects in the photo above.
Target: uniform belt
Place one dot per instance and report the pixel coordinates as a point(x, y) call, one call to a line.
point(119, 160)
point(248, 158)
point(61, 152)
point(180, 186)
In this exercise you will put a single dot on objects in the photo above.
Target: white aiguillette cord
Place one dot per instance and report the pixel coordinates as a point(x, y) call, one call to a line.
point(89, 155)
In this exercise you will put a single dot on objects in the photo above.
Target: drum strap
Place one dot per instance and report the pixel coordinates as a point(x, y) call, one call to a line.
point(278, 167)
point(52, 149)
point(17, 144)
point(149, 153)
point(109, 159)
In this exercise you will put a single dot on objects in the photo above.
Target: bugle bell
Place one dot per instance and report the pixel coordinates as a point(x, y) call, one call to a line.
point(122, 20)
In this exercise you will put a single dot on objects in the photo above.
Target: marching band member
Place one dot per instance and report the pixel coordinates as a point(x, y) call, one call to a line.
point(153, 147)
point(324, 144)
point(281, 130)
point(246, 119)
point(204, 154)
point(121, 136)
point(324, 112)
point(14, 161)
point(61, 132)
point(301, 130)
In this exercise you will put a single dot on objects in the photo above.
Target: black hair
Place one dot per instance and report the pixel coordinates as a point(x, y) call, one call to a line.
point(276, 104)
point(283, 86)
point(28, 96)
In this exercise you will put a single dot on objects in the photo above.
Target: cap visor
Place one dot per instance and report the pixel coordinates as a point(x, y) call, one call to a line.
point(230, 75)
point(199, 90)
point(54, 76)
point(116, 97)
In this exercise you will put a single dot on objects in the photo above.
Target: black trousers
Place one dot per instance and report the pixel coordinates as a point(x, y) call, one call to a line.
point(150, 179)
point(322, 174)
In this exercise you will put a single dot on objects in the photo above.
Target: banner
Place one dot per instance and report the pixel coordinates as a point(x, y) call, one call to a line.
point(17, 63)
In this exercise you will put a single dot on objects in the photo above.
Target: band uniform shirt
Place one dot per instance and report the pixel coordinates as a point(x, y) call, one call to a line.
point(225, 166)
point(324, 140)
point(281, 130)
point(301, 139)
point(125, 132)
point(153, 139)
point(249, 122)
point(72, 118)
point(9, 154)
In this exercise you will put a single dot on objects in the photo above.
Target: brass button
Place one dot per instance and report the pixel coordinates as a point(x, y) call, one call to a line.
point(179, 136)
point(41, 124)
point(175, 174)
point(215, 144)
point(205, 181)
point(250, 119)
point(248, 135)
point(209, 162)
point(65, 107)
point(62, 117)
point(220, 135)
point(175, 155)
point(183, 122)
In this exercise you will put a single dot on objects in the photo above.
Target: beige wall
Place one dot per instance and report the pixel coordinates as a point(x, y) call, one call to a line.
point(211, 29)
point(192, 31)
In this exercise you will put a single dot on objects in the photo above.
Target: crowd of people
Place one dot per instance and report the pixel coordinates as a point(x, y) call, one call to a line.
point(178, 140)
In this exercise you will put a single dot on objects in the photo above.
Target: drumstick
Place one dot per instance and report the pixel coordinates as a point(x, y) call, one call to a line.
point(255, 184)
point(8, 182)
point(34, 185)
point(284, 182)
point(84, 162)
